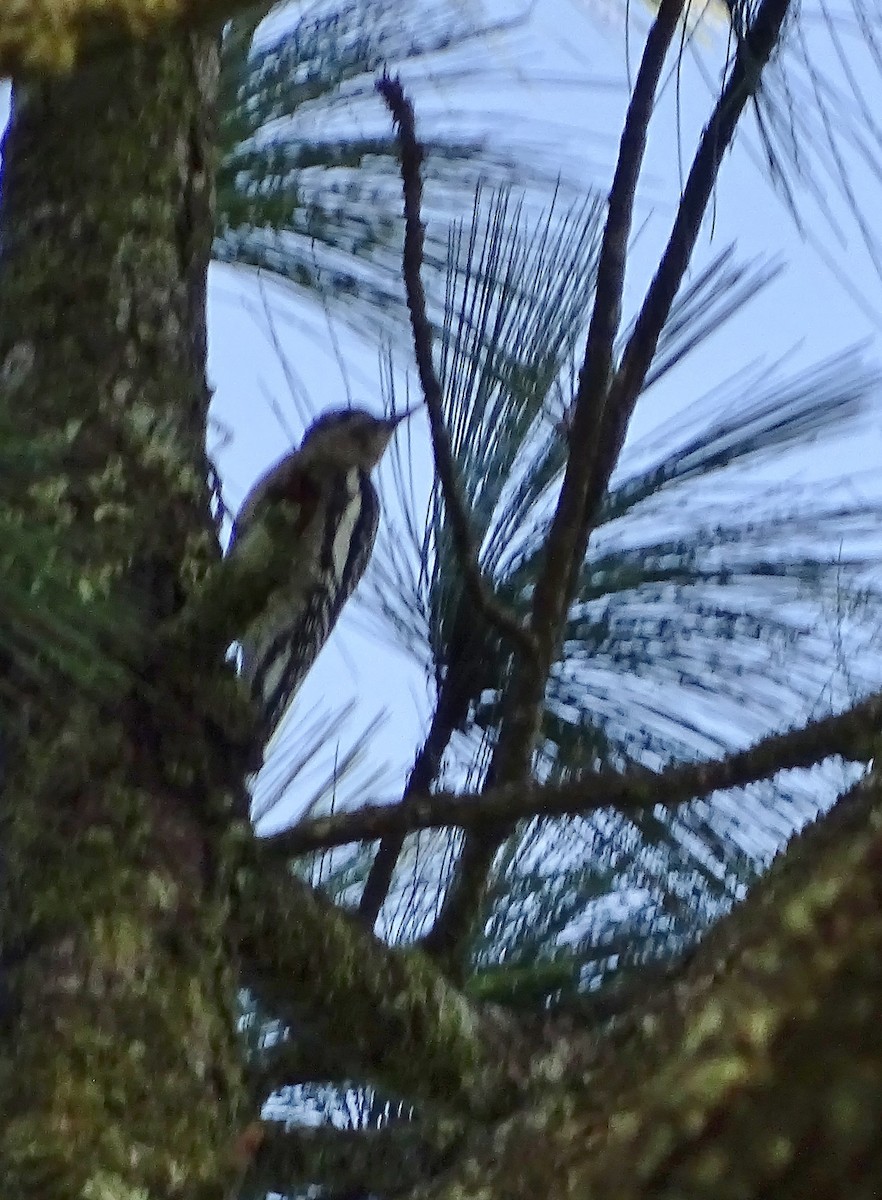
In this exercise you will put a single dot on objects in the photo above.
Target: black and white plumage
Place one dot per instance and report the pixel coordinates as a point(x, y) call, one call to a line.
point(332, 510)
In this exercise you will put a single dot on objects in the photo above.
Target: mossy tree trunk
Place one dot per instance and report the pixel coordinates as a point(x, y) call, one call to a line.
point(119, 1074)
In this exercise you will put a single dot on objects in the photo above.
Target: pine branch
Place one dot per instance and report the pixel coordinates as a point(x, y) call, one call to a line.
point(411, 152)
point(568, 537)
point(568, 534)
point(752, 56)
point(451, 708)
point(852, 734)
point(754, 1043)
point(496, 614)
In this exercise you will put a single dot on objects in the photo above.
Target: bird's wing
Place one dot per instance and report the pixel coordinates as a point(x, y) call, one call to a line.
point(286, 481)
point(280, 649)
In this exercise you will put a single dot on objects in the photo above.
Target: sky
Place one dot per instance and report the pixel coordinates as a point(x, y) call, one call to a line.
point(559, 89)
point(566, 91)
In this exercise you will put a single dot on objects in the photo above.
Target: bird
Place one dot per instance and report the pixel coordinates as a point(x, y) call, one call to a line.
point(333, 511)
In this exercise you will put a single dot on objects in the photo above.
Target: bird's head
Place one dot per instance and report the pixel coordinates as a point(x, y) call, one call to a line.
point(350, 437)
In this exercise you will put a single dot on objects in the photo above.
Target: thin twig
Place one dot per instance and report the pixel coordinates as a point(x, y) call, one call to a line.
point(851, 734)
point(450, 709)
point(411, 153)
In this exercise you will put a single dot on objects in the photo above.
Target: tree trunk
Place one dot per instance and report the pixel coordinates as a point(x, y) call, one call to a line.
point(120, 1073)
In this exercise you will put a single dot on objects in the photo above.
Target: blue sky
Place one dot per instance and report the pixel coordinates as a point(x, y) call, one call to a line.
point(806, 313)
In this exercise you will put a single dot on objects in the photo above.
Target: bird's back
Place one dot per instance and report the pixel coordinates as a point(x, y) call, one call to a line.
point(335, 518)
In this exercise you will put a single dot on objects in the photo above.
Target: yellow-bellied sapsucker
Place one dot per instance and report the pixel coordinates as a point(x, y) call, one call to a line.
point(333, 512)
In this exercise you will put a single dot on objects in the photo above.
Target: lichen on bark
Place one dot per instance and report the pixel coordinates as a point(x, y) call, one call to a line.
point(121, 1065)
point(756, 1072)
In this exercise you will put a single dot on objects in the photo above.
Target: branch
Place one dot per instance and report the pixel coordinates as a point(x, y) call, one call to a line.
point(851, 734)
point(603, 409)
point(297, 1058)
point(391, 1012)
point(450, 709)
point(568, 536)
point(753, 53)
point(568, 533)
point(723, 1084)
point(411, 153)
point(385, 1161)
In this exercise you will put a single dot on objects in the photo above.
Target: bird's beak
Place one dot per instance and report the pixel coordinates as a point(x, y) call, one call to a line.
point(397, 418)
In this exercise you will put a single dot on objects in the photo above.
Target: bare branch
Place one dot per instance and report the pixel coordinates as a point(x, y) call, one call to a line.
point(301, 1057)
point(852, 734)
point(409, 1031)
point(451, 707)
point(754, 51)
point(411, 153)
point(568, 536)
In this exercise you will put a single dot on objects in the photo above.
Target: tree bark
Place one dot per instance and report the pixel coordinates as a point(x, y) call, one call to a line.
point(757, 1073)
point(120, 1074)
point(54, 36)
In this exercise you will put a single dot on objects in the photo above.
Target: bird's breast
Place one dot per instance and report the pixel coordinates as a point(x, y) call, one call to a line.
point(327, 560)
point(342, 536)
